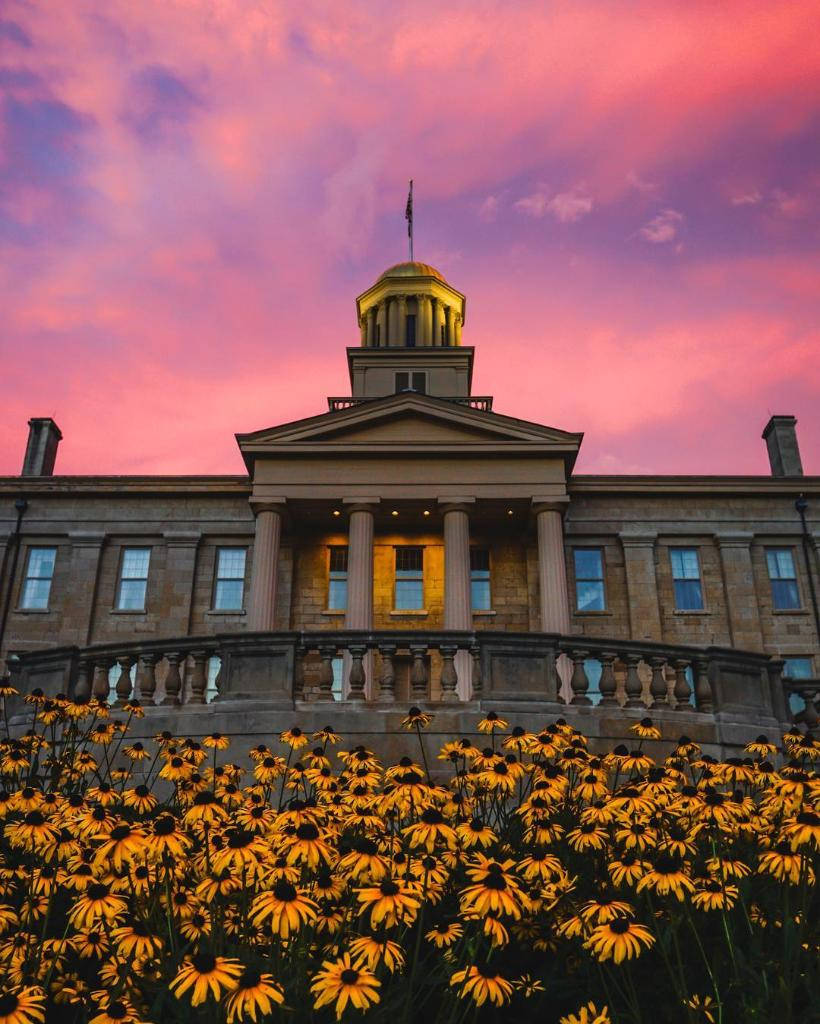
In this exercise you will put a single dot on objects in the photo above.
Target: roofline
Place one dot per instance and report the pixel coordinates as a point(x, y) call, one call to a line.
point(590, 483)
point(20, 486)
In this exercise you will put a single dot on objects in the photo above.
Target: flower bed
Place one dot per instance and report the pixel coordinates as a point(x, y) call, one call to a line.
point(538, 881)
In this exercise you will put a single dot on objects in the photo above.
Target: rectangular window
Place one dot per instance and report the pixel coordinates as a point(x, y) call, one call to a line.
point(480, 579)
point(411, 381)
point(402, 381)
point(409, 579)
point(37, 582)
point(589, 579)
point(420, 383)
point(229, 590)
point(780, 563)
point(337, 583)
point(410, 330)
point(133, 579)
point(686, 578)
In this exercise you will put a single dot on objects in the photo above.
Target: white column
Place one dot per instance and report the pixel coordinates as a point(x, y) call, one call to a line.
point(424, 321)
point(359, 610)
point(381, 322)
point(448, 320)
point(458, 613)
point(262, 602)
point(371, 326)
point(401, 328)
point(552, 567)
point(392, 322)
point(457, 322)
point(552, 579)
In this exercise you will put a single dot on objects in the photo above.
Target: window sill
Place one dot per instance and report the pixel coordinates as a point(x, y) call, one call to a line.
point(32, 611)
point(334, 611)
point(790, 611)
point(691, 611)
point(594, 612)
point(129, 611)
point(484, 611)
point(400, 613)
point(226, 611)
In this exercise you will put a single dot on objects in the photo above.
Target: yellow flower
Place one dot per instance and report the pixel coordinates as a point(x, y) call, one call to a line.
point(255, 992)
point(416, 717)
point(619, 940)
point(25, 1006)
point(343, 983)
point(588, 1014)
point(705, 1006)
point(390, 901)
point(206, 974)
point(287, 908)
point(491, 722)
point(369, 952)
point(482, 983)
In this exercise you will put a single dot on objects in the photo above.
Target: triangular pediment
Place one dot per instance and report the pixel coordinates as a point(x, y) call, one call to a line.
point(409, 420)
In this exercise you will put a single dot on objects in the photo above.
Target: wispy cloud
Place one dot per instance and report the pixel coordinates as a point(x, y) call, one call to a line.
point(662, 228)
point(488, 210)
point(566, 207)
point(749, 198)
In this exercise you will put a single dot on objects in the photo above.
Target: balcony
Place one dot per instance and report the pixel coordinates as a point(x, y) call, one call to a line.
point(266, 681)
point(484, 403)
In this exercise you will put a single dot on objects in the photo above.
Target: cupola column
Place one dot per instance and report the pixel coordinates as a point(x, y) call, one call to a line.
point(392, 321)
point(262, 602)
point(371, 326)
point(457, 329)
point(424, 320)
point(381, 324)
point(363, 329)
point(401, 319)
point(448, 319)
point(457, 603)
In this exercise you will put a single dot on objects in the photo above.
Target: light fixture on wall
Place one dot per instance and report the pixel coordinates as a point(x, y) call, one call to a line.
point(427, 512)
point(336, 512)
point(509, 511)
point(394, 512)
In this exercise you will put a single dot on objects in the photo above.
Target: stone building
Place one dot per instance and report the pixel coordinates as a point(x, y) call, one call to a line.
point(410, 541)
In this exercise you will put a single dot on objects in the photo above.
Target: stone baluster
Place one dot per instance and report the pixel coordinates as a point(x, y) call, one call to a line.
point(199, 677)
point(82, 686)
point(633, 687)
point(358, 677)
point(327, 654)
point(682, 691)
point(299, 692)
point(658, 687)
point(810, 716)
point(173, 680)
point(146, 683)
point(703, 688)
point(101, 687)
point(579, 682)
point(607, 685)
point(418, 673)
point(449, 675)
point(477, 678)
point(387, 679)
point(125, 662)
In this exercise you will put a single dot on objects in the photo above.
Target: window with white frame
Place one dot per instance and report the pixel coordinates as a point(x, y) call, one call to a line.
point(409, 594)
point(337, 581)
point(590, 594)
point(229, 584)
point(780, 563)
point(686, 579)
point(37, 581)
point(133, 581)
point(480, 596)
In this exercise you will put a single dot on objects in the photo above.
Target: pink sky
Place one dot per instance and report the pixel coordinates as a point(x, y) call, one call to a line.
point(192, 193)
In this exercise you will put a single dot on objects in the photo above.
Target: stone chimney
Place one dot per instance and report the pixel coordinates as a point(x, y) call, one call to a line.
point(781, 440)
point(41, 451)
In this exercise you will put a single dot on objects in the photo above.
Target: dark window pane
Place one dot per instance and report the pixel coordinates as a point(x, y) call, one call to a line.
point(479, 559)
point(132, 595)
point(797, 668)
point(35, 594)
point(402, 381)
point(337, 594)
point(410, 331)
point(785, 595)
point(338, 559)
point(688, 595)
point(420, 383)
point(409, 559)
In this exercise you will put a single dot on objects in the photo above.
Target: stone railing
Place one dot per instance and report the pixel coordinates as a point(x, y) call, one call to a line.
point(447, 667)
point(808, 692)
point(484, 403)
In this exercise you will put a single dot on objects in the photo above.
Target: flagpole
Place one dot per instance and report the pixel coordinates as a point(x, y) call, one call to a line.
point(408, 213)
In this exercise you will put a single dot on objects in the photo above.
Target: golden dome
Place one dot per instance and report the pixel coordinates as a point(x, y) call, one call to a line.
point(414, 269)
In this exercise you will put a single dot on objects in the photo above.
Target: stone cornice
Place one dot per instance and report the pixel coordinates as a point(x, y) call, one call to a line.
point(718, 485)
point(14, 486)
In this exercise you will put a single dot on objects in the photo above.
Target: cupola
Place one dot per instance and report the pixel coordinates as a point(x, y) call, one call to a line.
point(411, 305)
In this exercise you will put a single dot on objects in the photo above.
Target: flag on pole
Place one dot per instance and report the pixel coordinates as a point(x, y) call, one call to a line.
point(408, 216)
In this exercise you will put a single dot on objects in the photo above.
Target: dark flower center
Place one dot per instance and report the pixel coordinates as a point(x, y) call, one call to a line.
point(620, 925)
point(120, 832)
point(97, 891)
point(117, 1010)
point(284, 892)
point(142, 791)
point(808, 818)
point(308, 831)
point(204, 798)
point(349, 977)
point(476, 825)
point(203, 963)
point(486, 971)
point(35, 818)
point(251, 978)
point(164, 825)
point(389, 888)
point(239, 839)
point(8, 1004)
point(432, 817)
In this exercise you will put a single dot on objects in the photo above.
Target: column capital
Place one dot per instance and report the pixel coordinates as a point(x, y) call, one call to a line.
point(367, 503)
point(274, 504)
point(638, 538)
point(734, 538)
point(456, 503)
point(550, 503)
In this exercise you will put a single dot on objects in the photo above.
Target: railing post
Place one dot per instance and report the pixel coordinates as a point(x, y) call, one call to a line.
point(199, 677)
point(299, 674)
point(810, 716)
point(477, 679)
point(357, 677)
point(658, 688)
point(125, 662)
point(101, 669)
point(387, 679)
point(703, 688)
point(173, 681)
point(579, 683)
point(682, 690)
point(449, 676)
point(327, 655)
point(418, 673)
point(607, 685)
point(82, 687)
point(633, 687)
point(146, 677)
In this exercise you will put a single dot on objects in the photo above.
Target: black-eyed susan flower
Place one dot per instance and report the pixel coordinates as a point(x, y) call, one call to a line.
point(704, 1006)
point(97, 903)
point(112, 1009)
point(712, 895)
point(495, 889)
point(340, 982)
point(285, 908)
point(256, 992)
point(492, 722)
point(294, 737)
point(667, 877)
point(802, 830)
point(619, 939)
point(371, 952)
point(646, 729)
point(416, 719)
point(204, 974)
point(432, 827)
point(482, 983)
point(392, 900)
point(445, 934)
point(785, 864)
point(588, 1014)
point(308, 846)
point(22, 1006)
point(137, 940)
